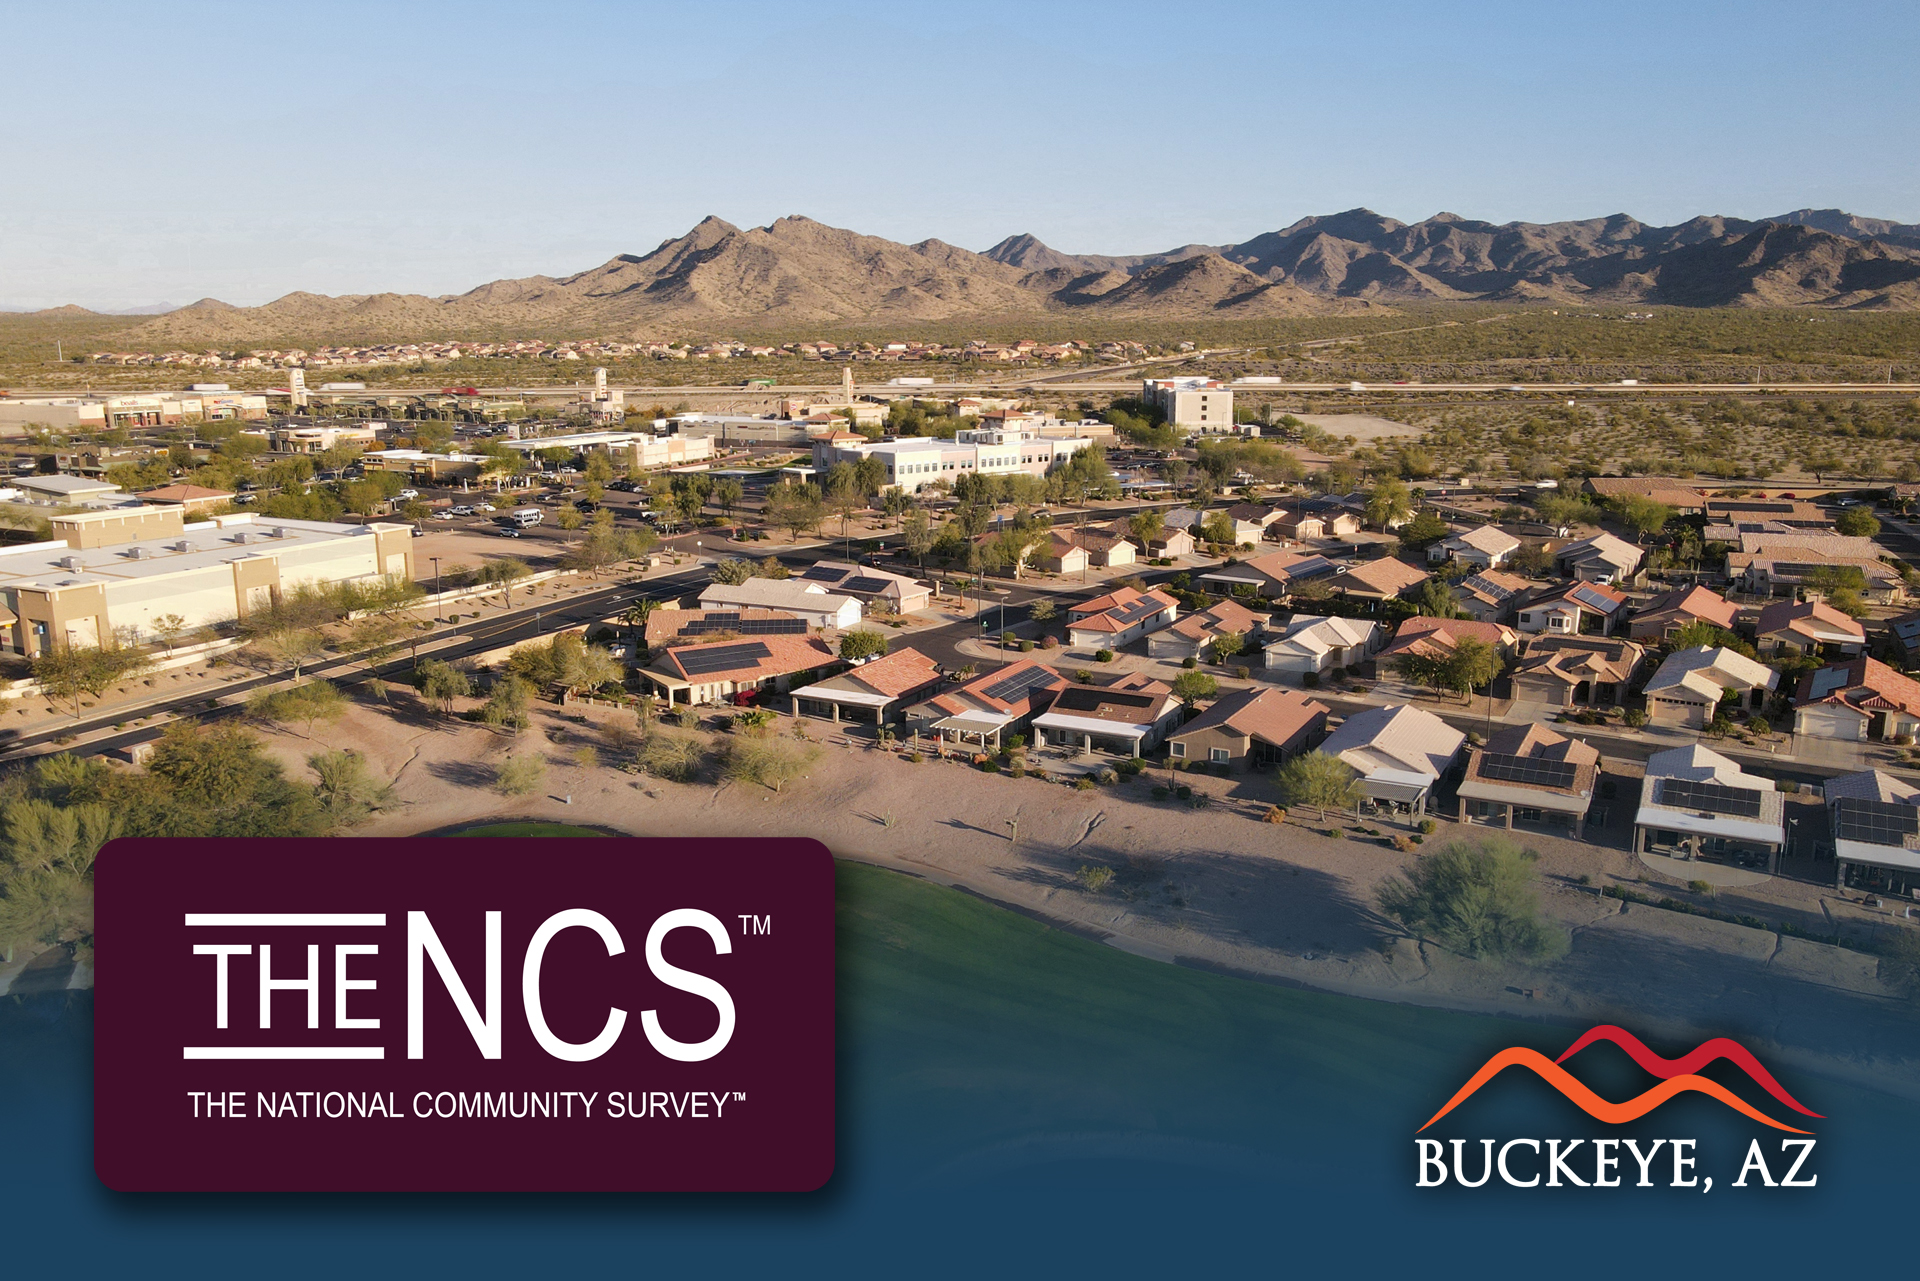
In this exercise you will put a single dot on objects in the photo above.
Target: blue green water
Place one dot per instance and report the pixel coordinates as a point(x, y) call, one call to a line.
point(1017, 1100)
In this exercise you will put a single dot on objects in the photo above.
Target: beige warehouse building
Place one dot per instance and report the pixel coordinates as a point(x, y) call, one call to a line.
point(114, 572)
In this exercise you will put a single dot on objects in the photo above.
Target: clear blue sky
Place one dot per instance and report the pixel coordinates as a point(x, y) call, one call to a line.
point(242, 151)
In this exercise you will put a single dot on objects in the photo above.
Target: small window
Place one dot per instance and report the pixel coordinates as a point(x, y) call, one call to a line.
point(1219, 756)
point(1178, 749)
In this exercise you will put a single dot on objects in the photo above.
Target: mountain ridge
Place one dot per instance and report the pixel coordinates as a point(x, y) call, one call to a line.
point(797, 271)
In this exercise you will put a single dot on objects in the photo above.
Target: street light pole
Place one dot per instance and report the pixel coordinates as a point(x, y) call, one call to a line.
point(436, 587)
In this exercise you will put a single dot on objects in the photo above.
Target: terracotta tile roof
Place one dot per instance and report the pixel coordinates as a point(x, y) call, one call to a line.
point(1811, 620)
point(897, 673)
point(1572, 659)
point(1227, 616)
point(1125, 601)
point(973, 693)
point(1536, 742)
point(1690, 602)
point(1435, 637)
point(785, 655)
point(1274, 716)
point(1661, 489)
point(182, 494)
point(1864, 684)
point(1387, 576)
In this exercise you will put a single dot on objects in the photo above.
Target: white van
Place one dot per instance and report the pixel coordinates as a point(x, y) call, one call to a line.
point(525, 516)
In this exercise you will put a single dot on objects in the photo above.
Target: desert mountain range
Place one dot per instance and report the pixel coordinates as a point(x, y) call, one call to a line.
point(798, 271)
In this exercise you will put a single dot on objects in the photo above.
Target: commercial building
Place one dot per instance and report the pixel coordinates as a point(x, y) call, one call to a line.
point(66, 491)
point(626, 450)
point(1251, 729)
point(1695, 803)
point(114, 573)
point(1529, 774)
point(153, 409)
point(1693, 685)
point(191, 499)
point(912, 463)
point(1400, 752)
point(875, 692)
point(1190, 404)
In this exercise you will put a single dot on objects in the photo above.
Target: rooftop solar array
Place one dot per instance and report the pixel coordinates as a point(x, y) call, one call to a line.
point(1016, 687)
point(1137, 610)
point(1713, 798)
point(724, 658)
point(866, 584)
point(1527, 770)
point(1874, 822)
point(824, 574)
point(746, 627)
point(1084, 698)
point(1592, 599)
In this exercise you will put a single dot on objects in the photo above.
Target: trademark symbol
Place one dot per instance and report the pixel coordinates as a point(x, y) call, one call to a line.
point(739, 1096)
point(750, 924)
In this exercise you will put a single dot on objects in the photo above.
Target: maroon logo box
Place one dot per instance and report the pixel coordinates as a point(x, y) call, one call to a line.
point(464, 1015)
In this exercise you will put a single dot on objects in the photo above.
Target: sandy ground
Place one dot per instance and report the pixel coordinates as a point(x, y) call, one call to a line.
point(1211, 885)
point(1365, 428)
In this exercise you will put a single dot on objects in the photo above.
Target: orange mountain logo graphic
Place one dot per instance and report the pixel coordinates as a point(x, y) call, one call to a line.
point(1677, 1077)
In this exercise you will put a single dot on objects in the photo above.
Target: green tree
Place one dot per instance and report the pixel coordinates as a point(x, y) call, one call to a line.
point(345, 785)
point(1192, 686)
point(916, 534)
point(1146, 526)
point(1699, 631)
point(73, 671)
point(861, 643)
point(1317, 779)
point(1389, 503)
point(1856, 522)
point(441, 683)
point(506, 705)
point(504, 574)
point(519, 775)
point(168, 629)
point(1425, 529)
point(1642, 515)
point(732, 571)
point(1218, 528)
point(795, 507)
point(727, 495)
point(771, 762)
point(1228, 645)
point(1477, 899)
point(1435, 599)
point(311, 702)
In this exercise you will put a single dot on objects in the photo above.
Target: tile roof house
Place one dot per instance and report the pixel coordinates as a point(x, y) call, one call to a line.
point(1129, 715)
point(1577, 671)
point(1492, 595)
point(1378, 580)
point(1487, 547)
point(875, 692)
point(868, 585)
point(990, 704)
point(1664, 615)
point(1905, 631)
point(1427, 637)
point(1302, 526)
point(1574, 609)
point(1791, 512)
point(1120, 617)
point(1272, 575)
point(1689, 687)
point(1193, 636)
point(1062, 553)
point(194, 498)
point(1399, 752)
point(1810, 627)
point(1601, 558)
point(810, 601)
point(1774, 569)
point(1314, 643)
point(710, 673)
point(1695, 802)
point(668, 627)
point(1677, 494)
point(1855, 701)
point(1251, 729)
point(1530, 773)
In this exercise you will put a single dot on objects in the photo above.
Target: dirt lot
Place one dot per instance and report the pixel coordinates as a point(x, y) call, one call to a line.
point(1210, 885)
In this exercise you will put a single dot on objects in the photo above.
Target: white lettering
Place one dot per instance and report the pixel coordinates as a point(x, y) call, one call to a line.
point(569, 1051)
point(423, 943)
point(1755, 1161)
point(1431, 1158)
point(269, 985)
point(1806, 1150)
point(1486, 1165)
point(343, 985)
point(1645, 1162)
point(1506, 1174)
point(221, 951)
point(687, 981)
point(1556, 1166)
point(1605, 1159)
point(1683, 1162)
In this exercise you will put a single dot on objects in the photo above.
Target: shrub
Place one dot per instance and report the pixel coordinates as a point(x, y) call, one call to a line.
point(1095, 878)
point(1048, 642)
point(1633, 718)
point(1337, 833)
point(1700, 887)
point(1242, 673)
point(1184, 792)
point(1129, 768)
point(1026, 647)
point(1008, 640)
point(771, 762)
point(674, 757)
point(1310, 680)
point(519, 775)
point(1274, 814)
point(1017, 770)
point(991, 765)
point(1106, 776)
point(1082, 675)
point(1788, 785)
point(1083, 784)
point(1476, 898)
point(914, 758)
point(1189, 662)
point(1338, 675)
point(1428, 827)
point(1103, 656)
point(1160, 793)
point(1405, 844)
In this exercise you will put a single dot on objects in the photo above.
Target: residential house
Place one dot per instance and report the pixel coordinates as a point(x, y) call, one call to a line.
point(1856, 701)
point(1313, 643)
point(1400, 752)
point(1492, 595)
point(1486, 547)
point(729, 669)
point(1120, 617)
point(1193, 636)
point(1577, 671)
point(1171, 543)
point(1062, 554)
point(1777, 564)
point(1529, 774)
point(808, 600)
point(1664, 615)
point(878, 590)
point(1575, 609)
point(1273, 575)
point(1811, 628)
point(1905, 633)
point(1251, 729)
point(193, 498)
point(1129, 715)
point(1690, 687)
point(1106, 550)
point(1790, 512)
point(1677, 494)
point(1251, 521)
point(875, 692)
point(1340, 515)
point(1874, 820)
point(667, 626)
point(1376, 580)
point(1301, 526)
point(989, 706)
point(1695, 803)
point(1426, 637)
point(1601, 558)
point(1187, 518)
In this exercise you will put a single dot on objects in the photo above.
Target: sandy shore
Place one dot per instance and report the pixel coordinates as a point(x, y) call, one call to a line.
point(1211, 885)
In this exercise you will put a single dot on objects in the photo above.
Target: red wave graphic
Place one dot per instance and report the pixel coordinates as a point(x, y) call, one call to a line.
point(1595, 1106)
point(1701, 1055)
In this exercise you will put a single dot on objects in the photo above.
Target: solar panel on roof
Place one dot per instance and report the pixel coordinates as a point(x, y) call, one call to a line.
point(823, 574)
point(1527, 770)
point(1138, 610)
point(1713, 798)
point(725, 658)
point(1083, 698)
point(866, 584)
point(1015, 687)
point(747, 627)
point(1592, 599)
point(1874, 822)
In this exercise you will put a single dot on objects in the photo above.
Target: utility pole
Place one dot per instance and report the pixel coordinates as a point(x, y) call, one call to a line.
point(436, 587)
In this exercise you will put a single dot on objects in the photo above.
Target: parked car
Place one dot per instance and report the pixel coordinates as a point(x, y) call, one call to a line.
point(463, 509)
point(507, 531)
point(241, 500)
point(408, 494)
point(483, 507)
point(443, 515)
